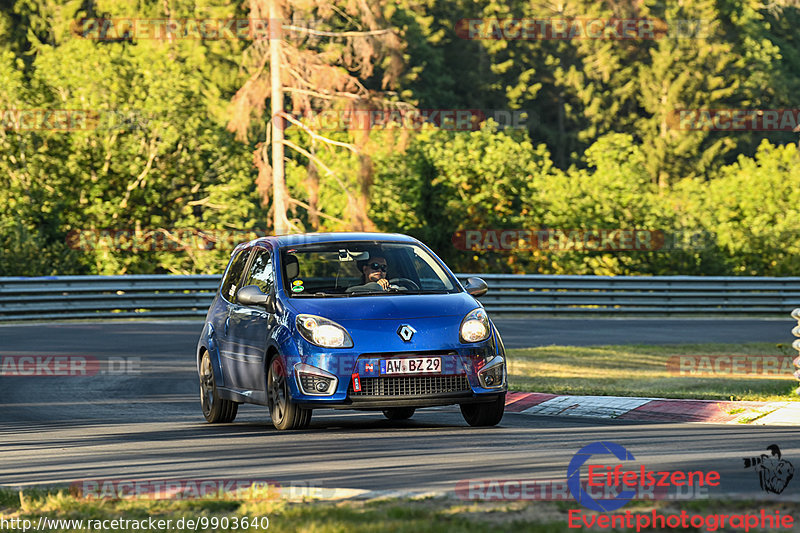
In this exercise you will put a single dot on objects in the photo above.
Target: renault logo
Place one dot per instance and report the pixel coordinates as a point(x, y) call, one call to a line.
point(406, 332)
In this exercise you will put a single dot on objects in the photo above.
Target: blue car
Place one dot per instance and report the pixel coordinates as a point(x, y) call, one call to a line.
point(365, 321)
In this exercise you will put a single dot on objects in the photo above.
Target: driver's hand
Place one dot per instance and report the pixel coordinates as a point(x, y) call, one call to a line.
point(384, 283)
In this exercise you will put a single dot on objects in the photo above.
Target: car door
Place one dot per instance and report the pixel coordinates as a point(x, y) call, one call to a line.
point(249, 326)
point(221, 315)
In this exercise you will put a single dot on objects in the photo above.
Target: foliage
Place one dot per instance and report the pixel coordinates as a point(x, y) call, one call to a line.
point(153, 160)
point(453, 181)
point(751, 209)
point(599, 152)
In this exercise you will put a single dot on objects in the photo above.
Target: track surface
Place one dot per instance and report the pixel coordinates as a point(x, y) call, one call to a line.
point(148, 426)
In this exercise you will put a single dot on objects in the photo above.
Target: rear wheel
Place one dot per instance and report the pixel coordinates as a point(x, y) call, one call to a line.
point(484, 414)
point(215, 409)
point(399, 413)
point(284, 412)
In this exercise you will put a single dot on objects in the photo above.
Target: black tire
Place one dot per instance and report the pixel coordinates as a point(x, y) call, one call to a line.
point(484, 414)
point(285, 414)
point(399, 413)
point(215, 409)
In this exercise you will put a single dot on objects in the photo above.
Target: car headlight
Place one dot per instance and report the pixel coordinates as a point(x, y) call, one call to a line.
point(475, 326)
point(323, 332)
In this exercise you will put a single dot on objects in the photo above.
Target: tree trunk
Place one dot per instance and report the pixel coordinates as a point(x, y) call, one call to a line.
point(280, 222)
point(561, 149)
point(312, 184)
point(362, 219)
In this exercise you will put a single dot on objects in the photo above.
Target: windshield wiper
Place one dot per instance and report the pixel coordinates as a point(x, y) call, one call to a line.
point(432, 291)
point(395, 293)
point(369, 293)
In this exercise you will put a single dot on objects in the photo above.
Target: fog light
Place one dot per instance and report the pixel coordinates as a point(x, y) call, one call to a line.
point(493, 374)
point(314, 381)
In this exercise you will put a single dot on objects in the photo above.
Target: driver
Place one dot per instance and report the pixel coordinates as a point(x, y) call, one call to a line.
point(373, 271)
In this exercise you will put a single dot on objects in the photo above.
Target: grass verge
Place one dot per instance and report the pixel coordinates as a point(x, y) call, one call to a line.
point(431, 515)
point(639, 370)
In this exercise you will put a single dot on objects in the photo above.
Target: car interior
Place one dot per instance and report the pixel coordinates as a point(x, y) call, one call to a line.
point(333, 270)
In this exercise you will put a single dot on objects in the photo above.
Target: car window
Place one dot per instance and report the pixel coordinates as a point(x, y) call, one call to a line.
point(230, 284)
point(429, 272)
point(321, 270)
point(337, 268)
point(260, 273)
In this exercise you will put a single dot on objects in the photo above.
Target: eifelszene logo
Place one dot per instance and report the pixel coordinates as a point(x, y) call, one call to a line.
point(774, 473)
point(613, 478)
point(610, 470)
point(574, 476)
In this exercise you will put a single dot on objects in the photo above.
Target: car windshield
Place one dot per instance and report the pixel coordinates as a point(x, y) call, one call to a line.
point(364, 268)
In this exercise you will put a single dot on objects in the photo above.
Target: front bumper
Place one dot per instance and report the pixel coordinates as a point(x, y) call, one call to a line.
point(378, 404)
point(458, 382)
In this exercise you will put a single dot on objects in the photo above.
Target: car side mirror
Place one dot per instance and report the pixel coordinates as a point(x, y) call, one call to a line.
point(476, 287)
point(252, 296)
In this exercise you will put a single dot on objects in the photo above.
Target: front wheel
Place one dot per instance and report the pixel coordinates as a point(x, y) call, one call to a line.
point(215, 409)
point(484, 414)
point(284, 412)
point(399, 413)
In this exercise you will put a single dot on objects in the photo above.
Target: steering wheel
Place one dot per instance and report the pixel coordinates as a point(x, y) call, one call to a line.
point(404, 282)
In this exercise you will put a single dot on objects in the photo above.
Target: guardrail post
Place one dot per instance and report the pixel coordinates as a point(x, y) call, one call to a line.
point(796, 344)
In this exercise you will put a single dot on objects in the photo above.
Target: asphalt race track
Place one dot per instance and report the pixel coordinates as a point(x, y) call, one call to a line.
point(144, 422)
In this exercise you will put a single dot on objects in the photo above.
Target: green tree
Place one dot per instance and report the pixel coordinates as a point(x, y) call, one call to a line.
point(751, 208)
point(448, 182)
point(157, 160)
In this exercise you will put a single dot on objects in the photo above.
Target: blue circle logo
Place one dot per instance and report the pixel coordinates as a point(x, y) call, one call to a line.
point(574, 476)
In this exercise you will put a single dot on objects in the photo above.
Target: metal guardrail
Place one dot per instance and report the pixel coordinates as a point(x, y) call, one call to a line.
point(796, 345)
point(189, 296)
point(61, 297)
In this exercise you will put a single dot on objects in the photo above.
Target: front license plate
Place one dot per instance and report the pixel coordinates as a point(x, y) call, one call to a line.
point(417, 365)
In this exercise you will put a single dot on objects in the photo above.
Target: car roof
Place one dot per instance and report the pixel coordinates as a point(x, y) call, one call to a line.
point(313, 238)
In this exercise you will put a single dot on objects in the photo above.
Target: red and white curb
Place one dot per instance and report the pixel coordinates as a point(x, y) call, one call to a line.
point(655, 409)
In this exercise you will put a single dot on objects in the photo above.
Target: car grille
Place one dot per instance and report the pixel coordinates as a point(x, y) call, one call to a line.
point(411, 386)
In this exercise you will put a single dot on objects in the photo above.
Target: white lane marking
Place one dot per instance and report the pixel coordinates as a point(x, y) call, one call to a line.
point(590, 406)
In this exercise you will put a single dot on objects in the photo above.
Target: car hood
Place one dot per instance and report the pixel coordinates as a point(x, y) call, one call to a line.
point(386, 307)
